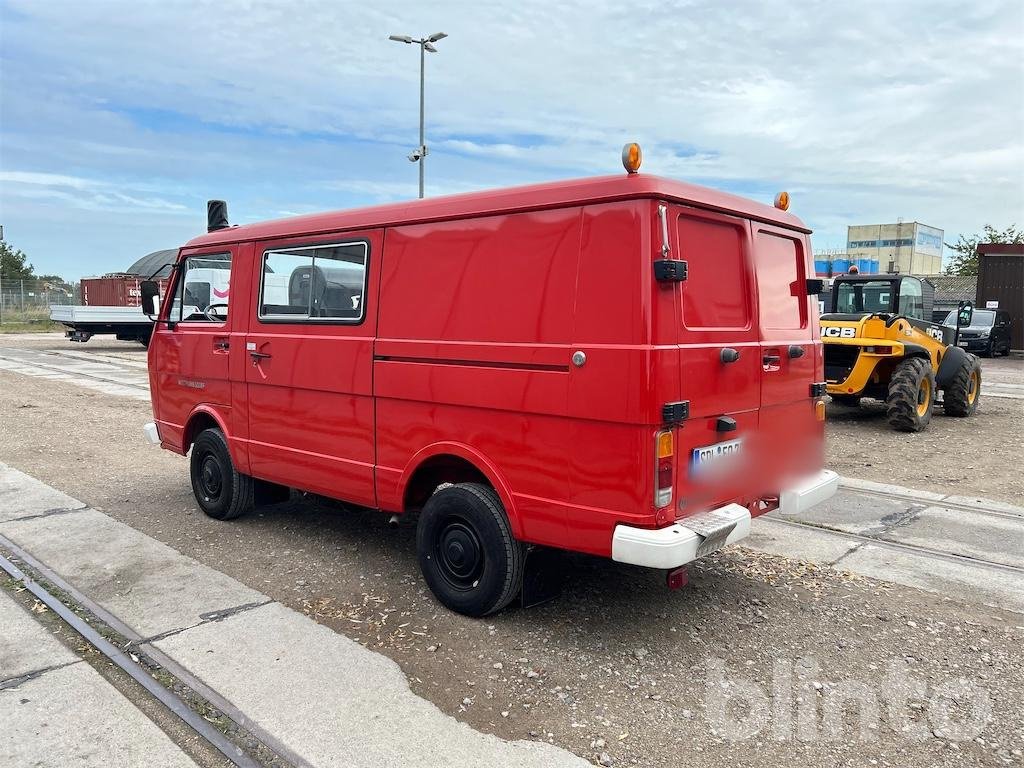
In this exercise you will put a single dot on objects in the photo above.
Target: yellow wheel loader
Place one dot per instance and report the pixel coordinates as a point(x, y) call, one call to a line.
point(878, 344)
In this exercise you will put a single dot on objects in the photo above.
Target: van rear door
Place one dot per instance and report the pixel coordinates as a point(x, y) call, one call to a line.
point(791, 355)
point(719, 357)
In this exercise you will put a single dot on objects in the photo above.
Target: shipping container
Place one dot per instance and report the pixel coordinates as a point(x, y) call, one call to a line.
point(114, 291)
point(1001, 284)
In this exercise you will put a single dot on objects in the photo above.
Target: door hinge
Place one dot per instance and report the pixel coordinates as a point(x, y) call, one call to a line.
point(673, 413)
point(818, 389)
point(669, 270)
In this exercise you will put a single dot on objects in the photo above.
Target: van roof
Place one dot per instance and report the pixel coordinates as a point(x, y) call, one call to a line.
point(555, 194)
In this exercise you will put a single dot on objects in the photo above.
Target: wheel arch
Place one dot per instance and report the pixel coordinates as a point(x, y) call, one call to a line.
point(202, 417)
point(453, 462)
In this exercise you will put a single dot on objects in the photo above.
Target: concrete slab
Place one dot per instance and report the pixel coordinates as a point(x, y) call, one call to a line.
point(776, 538)
point(334, 702)
point(21, 495)
point(988, 537)
point(853, 512)
point(885, 488)
point(986, 504)
point(145, 583)
point(72, 716)
point(25, 644)
point(959, 579)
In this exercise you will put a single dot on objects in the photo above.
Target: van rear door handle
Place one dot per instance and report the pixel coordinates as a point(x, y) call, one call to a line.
point(771, 359)
point(258, 355)
point(728, 355)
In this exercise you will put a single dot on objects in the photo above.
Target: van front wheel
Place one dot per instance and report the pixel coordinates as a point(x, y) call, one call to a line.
point(469, 557)
point(222, 491)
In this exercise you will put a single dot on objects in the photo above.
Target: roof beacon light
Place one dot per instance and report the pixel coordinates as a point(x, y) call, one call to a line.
point(632, 157)
point(782, 201)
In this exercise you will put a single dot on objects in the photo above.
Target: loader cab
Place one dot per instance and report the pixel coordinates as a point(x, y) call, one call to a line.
point(854, 296)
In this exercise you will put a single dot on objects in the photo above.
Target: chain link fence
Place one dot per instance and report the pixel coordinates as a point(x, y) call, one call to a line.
point(26, 303)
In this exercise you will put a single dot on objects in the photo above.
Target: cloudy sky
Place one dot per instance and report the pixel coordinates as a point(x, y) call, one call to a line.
point(119, 120)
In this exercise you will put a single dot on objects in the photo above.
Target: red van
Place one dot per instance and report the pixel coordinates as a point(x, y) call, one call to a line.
point(626, 366)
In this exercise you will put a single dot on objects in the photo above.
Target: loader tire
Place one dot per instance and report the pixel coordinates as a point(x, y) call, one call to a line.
point(960, 398)
point(911, 395)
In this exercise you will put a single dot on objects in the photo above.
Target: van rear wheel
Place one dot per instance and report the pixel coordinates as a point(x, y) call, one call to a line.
point(469, 557)
point(222, 491)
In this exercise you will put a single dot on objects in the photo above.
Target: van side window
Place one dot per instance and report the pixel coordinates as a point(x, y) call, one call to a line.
point(203, 289)
point(321, 282)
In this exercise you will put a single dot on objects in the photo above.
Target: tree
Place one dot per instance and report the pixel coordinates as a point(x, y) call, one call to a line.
point(14, 263)
point(965, 258)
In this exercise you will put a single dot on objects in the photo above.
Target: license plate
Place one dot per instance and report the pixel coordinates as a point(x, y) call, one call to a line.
point(714, 454)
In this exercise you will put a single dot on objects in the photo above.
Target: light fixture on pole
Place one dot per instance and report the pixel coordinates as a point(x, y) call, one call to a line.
point(426, 44)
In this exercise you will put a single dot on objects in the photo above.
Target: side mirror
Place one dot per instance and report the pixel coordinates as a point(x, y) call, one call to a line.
point(150, 290)
point(964, 314)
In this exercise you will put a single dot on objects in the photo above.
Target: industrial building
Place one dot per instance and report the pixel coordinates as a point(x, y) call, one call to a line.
point(908, 247)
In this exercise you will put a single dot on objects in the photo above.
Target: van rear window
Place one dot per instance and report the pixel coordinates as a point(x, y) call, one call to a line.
point(715, 292)
point(321, 282)
point(779, 264)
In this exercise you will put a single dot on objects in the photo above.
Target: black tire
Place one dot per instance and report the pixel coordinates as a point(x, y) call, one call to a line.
point(222, 491)
point(911, 395)
point(990, 350)
point(469, 557)
point(850, 401)
point(961, 395)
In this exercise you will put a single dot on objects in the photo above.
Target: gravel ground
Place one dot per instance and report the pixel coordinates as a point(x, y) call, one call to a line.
point(979, 455)
point(618, 669)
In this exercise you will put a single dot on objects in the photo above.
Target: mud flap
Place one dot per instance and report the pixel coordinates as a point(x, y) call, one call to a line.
point(543, 574)
point(265, 493)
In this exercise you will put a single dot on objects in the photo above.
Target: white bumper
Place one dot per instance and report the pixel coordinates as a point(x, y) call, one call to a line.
point(811, 491)
point(150, 431)
point(677, 545)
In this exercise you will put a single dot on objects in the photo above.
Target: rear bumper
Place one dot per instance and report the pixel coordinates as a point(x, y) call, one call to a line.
point(677, 545)
point(806, 494)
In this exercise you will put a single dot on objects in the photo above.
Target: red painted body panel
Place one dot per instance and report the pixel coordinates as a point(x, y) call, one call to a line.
point(474, 306)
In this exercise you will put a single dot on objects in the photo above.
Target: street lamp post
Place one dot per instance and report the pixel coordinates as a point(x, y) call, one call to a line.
point(425, 44)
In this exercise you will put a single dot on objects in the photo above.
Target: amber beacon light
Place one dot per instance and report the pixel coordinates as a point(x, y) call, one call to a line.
point(632, 157)
point(782, 201)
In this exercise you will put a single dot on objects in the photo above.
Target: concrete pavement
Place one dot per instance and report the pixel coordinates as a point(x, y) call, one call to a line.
point(323, 698)
point(57, 711)
point(961, 546)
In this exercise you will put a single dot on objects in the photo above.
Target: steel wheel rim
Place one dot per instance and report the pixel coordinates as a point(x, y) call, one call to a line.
point(458, 554)
point(211, 478)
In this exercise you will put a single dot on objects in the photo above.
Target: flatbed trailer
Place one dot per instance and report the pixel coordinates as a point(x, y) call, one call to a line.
point(82, 322)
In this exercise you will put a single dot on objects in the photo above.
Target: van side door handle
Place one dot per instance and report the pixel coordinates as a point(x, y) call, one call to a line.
point(259, 355)
point(771, 360)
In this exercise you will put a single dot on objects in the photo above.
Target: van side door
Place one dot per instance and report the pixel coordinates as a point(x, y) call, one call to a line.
point(309, 367)
point(192, 342)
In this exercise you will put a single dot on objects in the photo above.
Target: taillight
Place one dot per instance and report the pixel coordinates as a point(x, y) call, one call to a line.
point(878, 350)
point(664, 456)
